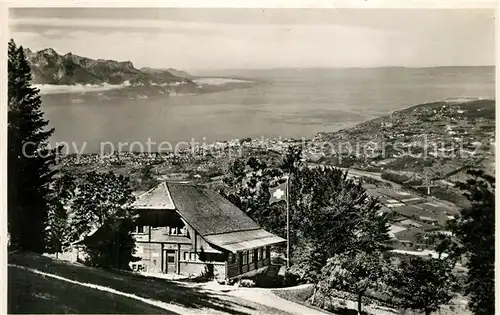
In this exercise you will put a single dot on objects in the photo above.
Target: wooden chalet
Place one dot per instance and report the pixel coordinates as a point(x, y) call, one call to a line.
point(187, 229)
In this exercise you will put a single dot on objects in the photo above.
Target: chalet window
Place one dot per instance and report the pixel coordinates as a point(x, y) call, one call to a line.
point(250, 256)
point(232, 258)
point(259, 254)
point(190, 256)
point(139, 229)
point(264, 253)
point(245, 258)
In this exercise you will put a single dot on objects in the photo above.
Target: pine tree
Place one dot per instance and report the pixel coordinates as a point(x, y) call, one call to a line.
point(334, 214)
point(475, 230)
point(100, 197)
point(58, 225)
point(57, 229)
point(101, 217)
point(30, 160)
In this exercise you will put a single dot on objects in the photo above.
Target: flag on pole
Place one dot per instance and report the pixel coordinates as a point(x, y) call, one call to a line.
point(279, 193)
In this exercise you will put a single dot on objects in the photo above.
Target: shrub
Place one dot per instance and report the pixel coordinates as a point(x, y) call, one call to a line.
point(247, 283)
point(290, 279)
point(208, 272)
point(394, 177)
point(301, 294)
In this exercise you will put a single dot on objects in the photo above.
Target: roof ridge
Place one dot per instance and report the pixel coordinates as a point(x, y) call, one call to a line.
point(170, 196)
point(143, 201)
point(150, 190)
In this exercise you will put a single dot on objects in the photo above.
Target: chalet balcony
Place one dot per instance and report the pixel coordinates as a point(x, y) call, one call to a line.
point(162, 234)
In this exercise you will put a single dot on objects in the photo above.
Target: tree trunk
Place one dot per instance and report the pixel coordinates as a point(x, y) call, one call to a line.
point(428, 312)
point(314, 295)
point(57, 255)
point(359, 303)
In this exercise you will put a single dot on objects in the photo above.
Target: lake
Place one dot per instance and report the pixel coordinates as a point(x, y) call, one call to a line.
point(290, 103)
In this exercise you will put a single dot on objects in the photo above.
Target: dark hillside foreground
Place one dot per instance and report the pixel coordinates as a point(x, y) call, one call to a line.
point(183, 297)
point(30, 293)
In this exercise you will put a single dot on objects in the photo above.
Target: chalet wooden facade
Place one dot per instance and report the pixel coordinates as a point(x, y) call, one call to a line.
point(188, 229)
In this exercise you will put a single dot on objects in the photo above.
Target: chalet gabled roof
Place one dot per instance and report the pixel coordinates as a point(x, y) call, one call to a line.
point(204, 209)
point(214, 217)
point(207, 211)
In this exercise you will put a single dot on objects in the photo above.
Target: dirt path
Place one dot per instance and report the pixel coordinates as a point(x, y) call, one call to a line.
point(264, 297)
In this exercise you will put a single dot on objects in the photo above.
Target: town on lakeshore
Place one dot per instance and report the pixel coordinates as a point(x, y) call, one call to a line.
point(389, 212)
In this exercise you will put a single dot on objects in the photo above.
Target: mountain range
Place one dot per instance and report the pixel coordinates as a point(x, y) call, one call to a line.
point(49, 67)
point(177, 73)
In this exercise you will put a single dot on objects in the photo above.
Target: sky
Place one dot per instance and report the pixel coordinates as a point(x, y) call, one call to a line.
point(209, 39)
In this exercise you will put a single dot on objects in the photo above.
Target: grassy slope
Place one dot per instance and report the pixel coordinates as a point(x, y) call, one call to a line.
point(30, 293)
point(179, 294)
point(486, 107)
point(403, 120)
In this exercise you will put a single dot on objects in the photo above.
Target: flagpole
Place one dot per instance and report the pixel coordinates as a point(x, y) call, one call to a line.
point(287, 224)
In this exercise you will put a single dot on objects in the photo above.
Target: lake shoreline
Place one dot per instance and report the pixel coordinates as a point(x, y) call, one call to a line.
point(274, 105)
point(199, 85)
point(264, 141)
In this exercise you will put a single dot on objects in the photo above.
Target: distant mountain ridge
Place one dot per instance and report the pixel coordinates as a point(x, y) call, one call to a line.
point(175, 72)
point(49, 67)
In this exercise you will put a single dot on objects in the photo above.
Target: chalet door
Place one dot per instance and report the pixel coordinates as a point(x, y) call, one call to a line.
point(170, 261)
